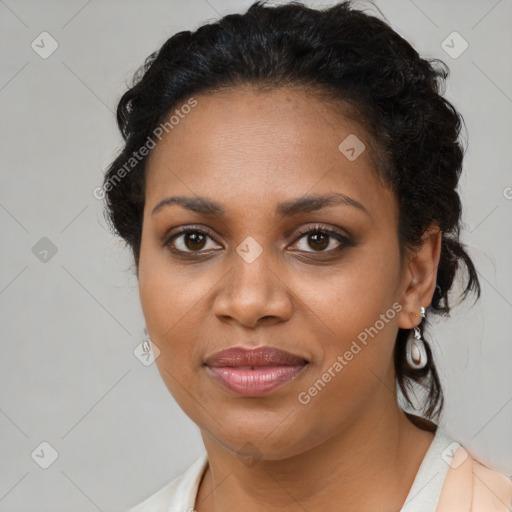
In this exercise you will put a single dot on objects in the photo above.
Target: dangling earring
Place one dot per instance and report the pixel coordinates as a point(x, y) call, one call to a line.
point(415, 352)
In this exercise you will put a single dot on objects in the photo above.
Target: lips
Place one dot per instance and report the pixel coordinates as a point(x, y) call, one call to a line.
point(258, 357)
point(254, 372)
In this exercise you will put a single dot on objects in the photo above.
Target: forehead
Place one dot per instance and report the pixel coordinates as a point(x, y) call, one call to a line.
point(254, 146)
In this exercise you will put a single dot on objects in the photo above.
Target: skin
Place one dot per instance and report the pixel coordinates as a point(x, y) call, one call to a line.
point(350, 447)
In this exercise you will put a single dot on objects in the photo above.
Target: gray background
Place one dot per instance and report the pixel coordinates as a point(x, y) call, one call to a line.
point(70, 324)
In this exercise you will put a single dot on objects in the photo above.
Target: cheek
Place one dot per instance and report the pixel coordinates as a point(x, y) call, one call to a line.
point(357, 313)
point(356, 362)
point(163, 291)
point(353, 297)
point(170, 305)
point(173, 300)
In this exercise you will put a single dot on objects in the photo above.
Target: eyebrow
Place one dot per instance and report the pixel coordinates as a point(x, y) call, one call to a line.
point(305, 204)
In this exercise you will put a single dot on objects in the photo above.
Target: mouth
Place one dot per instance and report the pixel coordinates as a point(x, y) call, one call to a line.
point(254, 372)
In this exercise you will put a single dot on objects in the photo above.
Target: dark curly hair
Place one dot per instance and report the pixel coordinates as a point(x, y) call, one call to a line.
point(350, 58)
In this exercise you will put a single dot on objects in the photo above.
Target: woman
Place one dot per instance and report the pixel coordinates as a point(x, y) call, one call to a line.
point(288, 189)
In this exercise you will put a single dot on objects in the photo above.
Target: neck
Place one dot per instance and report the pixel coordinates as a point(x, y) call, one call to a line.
point(369, 465)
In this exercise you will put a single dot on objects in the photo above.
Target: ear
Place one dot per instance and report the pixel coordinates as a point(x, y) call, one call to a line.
point(419, 279)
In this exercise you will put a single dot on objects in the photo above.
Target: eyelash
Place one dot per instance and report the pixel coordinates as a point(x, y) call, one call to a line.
point(344, 240)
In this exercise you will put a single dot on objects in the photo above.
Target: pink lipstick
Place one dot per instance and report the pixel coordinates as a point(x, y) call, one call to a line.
point(254, 372)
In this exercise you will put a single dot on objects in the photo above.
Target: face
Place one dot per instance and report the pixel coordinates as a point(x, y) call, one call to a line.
point(245, 272)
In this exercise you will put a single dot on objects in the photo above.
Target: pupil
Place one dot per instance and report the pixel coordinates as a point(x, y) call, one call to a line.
point(195, 239)
point(315, 237)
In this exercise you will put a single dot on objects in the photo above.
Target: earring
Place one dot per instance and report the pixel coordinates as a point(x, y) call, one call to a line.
point(415, 352)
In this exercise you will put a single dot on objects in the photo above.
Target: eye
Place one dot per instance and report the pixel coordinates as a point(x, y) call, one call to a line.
point(189, 240)
point(319, 239)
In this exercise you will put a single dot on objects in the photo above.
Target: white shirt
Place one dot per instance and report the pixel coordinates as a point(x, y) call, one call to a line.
point(180, 494)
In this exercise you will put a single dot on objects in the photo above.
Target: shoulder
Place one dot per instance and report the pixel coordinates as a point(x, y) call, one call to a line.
point(179, 494)
point(159, 502)
point(492, 490)
point(472, 486)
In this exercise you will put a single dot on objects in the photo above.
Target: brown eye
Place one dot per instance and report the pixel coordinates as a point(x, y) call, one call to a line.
point(194, 240)
point(190, 240)
point(314, 239)
point(318, 239)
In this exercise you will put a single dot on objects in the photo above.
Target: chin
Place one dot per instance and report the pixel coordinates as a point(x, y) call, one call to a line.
point(262, 441)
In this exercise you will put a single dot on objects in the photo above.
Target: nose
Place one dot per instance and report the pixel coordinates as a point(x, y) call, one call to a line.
point(253, 293)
